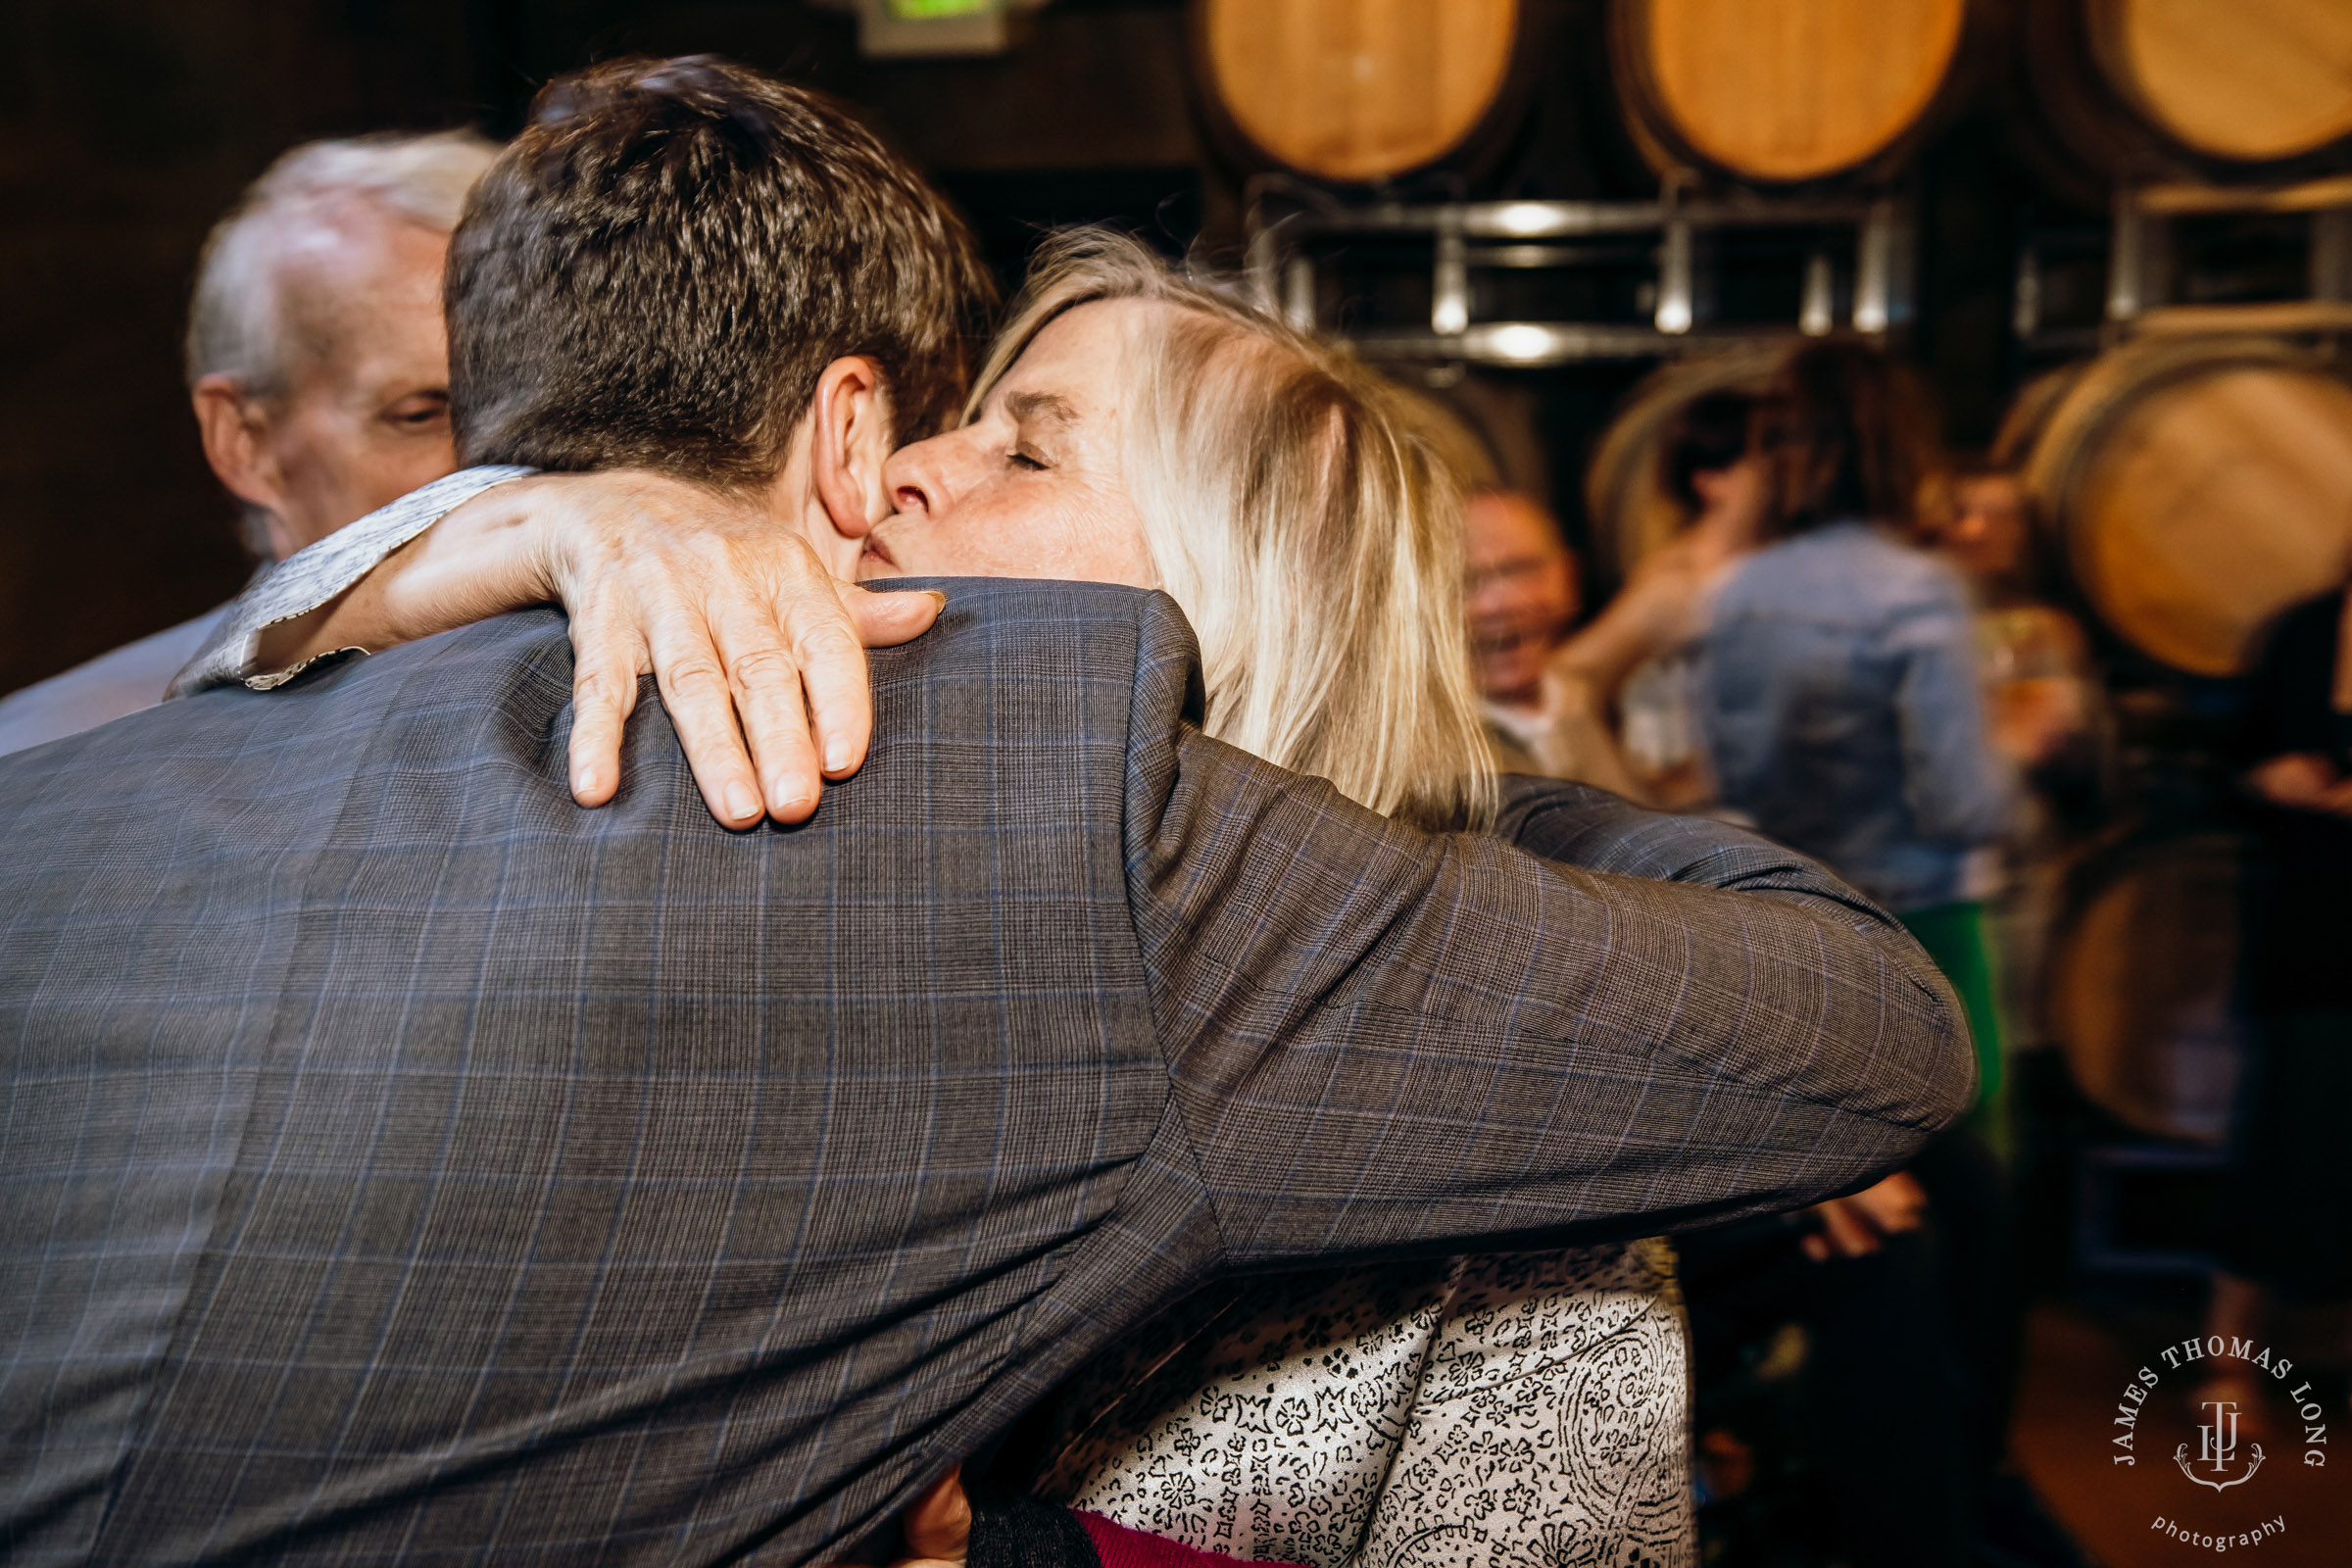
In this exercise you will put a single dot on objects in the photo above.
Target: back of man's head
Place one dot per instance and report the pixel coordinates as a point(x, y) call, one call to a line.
point(658, 269)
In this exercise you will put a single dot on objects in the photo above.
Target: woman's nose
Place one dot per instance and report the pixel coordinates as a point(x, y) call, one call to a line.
point(917, 475)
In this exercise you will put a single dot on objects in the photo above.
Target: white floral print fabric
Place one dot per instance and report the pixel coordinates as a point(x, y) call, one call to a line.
point(1487, 1412)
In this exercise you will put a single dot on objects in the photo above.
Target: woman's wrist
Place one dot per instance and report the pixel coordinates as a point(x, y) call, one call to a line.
point(486, 558)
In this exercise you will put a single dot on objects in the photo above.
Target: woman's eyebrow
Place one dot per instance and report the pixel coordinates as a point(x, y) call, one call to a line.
point(1047, 406)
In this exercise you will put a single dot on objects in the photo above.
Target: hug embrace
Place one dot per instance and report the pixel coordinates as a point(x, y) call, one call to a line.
point(1098, 1027)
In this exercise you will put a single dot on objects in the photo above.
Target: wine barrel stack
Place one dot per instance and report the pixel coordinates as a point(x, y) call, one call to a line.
point(1358, 92)
point(2143, 975)
point(2197, 484)
point(2252, 90)
point(2202, 483)
point(1787, 93)
point(2195, 475)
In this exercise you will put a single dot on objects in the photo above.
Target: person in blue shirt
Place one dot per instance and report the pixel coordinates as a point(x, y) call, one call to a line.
point(1839, 688)
point(1838, 694)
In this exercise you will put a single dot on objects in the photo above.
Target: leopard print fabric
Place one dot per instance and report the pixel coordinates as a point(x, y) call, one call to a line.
point(1496, 1411)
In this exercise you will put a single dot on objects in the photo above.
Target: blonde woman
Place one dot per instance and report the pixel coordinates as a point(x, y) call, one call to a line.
point(1132, 426)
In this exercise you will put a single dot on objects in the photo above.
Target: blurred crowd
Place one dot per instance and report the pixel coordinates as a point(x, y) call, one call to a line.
point(1861, 644)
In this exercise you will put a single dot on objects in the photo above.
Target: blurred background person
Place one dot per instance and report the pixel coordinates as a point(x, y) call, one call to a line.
point(2046, 713)
point(1840, 678)
point(1640, 654)
point(1523, 588)
point(318, 367)
point(2044, 708)
point(1840, 700)
point(2290, 1237)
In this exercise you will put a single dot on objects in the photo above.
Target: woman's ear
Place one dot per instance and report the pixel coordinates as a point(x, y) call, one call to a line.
point(852, 433)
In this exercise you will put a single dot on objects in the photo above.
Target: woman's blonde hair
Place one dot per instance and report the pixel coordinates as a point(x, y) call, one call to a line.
point(1303, 521)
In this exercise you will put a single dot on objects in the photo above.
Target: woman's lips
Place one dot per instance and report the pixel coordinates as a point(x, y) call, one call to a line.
point(876, 550)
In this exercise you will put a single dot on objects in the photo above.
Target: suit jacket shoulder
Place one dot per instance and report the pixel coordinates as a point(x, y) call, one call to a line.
point(401, 1155)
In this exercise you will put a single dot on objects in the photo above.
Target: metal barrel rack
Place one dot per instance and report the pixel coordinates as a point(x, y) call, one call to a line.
point(2157, 281)
point(1857, 268)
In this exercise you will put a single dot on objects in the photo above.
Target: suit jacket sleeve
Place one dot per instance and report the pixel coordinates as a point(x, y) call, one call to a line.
point(1386, 1041)
point(1576, 824)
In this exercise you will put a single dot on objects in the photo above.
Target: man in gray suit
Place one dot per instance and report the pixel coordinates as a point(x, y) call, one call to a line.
point(402, 1162)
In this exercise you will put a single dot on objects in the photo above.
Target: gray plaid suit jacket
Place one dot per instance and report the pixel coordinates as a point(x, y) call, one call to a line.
point(399, 1162)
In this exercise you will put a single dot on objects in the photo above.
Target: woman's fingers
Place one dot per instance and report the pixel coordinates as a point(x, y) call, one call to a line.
point(1894, 1204)
point(759, 651)
point(769, 690)
point(887, 619)
point(608, 656)
point(691, 673)
point(829, 628)
point(765, 667)
point(831, 640)
point(1844, 1232)
point(841, 698)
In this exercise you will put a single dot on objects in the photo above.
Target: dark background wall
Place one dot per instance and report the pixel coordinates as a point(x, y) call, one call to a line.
point(128, 125)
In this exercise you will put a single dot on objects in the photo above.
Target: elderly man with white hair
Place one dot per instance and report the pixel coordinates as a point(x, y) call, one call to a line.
point(318, 368)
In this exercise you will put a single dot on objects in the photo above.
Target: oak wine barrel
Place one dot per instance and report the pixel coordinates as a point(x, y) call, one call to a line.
point(1785, 92)
point(1625, 501)
point(2142, 983)
point(1358, 91)
point(2198, 487)
point(2145, 89)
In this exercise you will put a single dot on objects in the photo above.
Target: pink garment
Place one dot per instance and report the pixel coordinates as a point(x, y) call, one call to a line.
point(1121, 1548)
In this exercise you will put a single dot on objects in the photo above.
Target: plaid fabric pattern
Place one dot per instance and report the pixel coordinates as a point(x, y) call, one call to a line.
point(401, 1163)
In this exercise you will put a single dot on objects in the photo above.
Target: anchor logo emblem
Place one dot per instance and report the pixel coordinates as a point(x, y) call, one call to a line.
point(2217, 1448)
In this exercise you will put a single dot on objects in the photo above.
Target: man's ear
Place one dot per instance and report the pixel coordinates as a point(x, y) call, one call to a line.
point(234, 427)
point(851, 438)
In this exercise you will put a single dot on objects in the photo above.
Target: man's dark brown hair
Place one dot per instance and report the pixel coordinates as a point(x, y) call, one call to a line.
point(656, 271)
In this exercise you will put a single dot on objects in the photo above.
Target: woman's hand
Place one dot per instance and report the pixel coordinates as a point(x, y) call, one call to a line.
point(759, 650)
point(2032, 717)
point(2304, 781)
point(751, 639)
point(938, 1526)
point(1853, 1227)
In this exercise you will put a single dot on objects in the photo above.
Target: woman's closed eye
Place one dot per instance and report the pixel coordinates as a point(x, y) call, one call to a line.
point(1028, 460)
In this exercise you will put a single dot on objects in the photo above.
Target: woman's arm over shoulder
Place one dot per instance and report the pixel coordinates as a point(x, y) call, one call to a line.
point(1655, 610)
point(749, 637)
point(291, 616)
